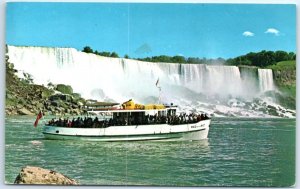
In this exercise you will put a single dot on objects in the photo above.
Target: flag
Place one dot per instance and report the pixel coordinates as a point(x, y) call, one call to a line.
point(38, 117)
point(157, 82)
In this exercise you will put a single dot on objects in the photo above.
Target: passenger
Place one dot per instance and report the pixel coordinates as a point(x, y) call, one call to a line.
point(124, 122)
point(95, 122)
point(105, 124)
point(202, 117)
point(73, 122)
point(81, 123)
point(140, 120)
point(130, 120)
point(59, 122)
point(85, 121)
point(198, 118)
point(51, 122)
point(65, 123)
point(69, 124)
point(89, 122)
point(186, 119)
point(110, 122)
point(194, 118)
point(206, 116)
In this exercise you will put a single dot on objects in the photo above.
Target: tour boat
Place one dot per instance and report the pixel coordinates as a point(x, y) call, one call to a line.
point(133, 122)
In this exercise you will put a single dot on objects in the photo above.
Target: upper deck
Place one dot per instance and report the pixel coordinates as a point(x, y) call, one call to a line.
point(131, 107)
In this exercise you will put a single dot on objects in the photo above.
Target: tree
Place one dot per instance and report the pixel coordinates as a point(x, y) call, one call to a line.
point(191, 60)
point(178, 59)
point(281, 56)
point(292, 56)
point(107, 54)
point(96, 52)
point(126, 56)
point(87, 49)
point(161, 58)
point(114, 54)
point(231, 61)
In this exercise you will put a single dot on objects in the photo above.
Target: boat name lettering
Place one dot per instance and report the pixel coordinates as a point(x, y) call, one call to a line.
point(197, 126)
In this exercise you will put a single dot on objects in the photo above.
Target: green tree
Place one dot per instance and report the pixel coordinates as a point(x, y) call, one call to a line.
point(96, 52)
point(292, 56)
point(161, 58)
point(126, 56)
point(104, 53)
point(87, 49)
point(191, 60)
point(281, 56)
point(178, 59)
point(114, 54)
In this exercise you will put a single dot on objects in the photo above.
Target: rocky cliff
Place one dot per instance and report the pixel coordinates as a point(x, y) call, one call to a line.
point(25, 98)
point(285, 80)
point(285, 73)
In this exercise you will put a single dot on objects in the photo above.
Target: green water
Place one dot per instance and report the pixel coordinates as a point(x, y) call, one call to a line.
point(239, 152)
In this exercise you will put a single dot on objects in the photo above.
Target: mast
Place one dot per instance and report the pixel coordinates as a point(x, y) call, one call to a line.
point(159, 91)
point(159, 95)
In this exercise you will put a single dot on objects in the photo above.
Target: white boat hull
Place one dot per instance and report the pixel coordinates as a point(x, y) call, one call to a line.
point(193, 131)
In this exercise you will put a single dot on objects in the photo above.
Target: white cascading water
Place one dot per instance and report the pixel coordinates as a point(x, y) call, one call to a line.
point(118, 79)
point(266, 82)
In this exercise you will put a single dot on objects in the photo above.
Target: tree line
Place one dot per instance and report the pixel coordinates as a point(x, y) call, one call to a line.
point(88, 49)
point(260, 59)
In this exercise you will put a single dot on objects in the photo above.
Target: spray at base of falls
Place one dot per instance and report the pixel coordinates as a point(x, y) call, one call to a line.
point(192, 86)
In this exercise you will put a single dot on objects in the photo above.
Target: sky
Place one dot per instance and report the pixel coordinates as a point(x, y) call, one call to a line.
point(145, 29)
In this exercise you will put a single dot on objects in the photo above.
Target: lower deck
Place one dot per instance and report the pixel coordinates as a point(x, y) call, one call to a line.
point(195, 131)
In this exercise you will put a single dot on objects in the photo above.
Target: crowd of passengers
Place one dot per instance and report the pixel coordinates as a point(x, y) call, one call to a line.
point(88, 122)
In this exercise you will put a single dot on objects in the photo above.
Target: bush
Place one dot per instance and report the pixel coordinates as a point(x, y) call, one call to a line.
point(65, 89)
point(76, 95)
point(87, 49)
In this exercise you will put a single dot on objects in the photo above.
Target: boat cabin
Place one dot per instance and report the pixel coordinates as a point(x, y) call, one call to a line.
point(137, 114)
point(139, 117)
point(100, 106)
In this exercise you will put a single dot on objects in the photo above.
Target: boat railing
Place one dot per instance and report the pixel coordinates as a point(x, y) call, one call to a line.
point(88, 122)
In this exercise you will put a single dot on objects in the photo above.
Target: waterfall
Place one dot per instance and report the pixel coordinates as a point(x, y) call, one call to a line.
point(250, 80)
point(119, 79)
point(266, 82)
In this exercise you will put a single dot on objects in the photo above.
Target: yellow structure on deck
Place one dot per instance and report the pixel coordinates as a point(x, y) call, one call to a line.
point(130, 105)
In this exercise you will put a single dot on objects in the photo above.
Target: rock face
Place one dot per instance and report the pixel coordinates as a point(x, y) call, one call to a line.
point(25, 98)
point(37, 175)
point(285, 77)
point(24, 111)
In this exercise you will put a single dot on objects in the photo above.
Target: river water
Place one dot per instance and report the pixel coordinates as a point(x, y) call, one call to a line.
point(238, 152)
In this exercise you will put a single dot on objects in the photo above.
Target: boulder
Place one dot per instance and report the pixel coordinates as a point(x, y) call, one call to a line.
point(55, 103)
point(37, 175)
point(39, 105)
point(19, 106)
point(76, 95)
point(24, 111)
point(271, 107)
